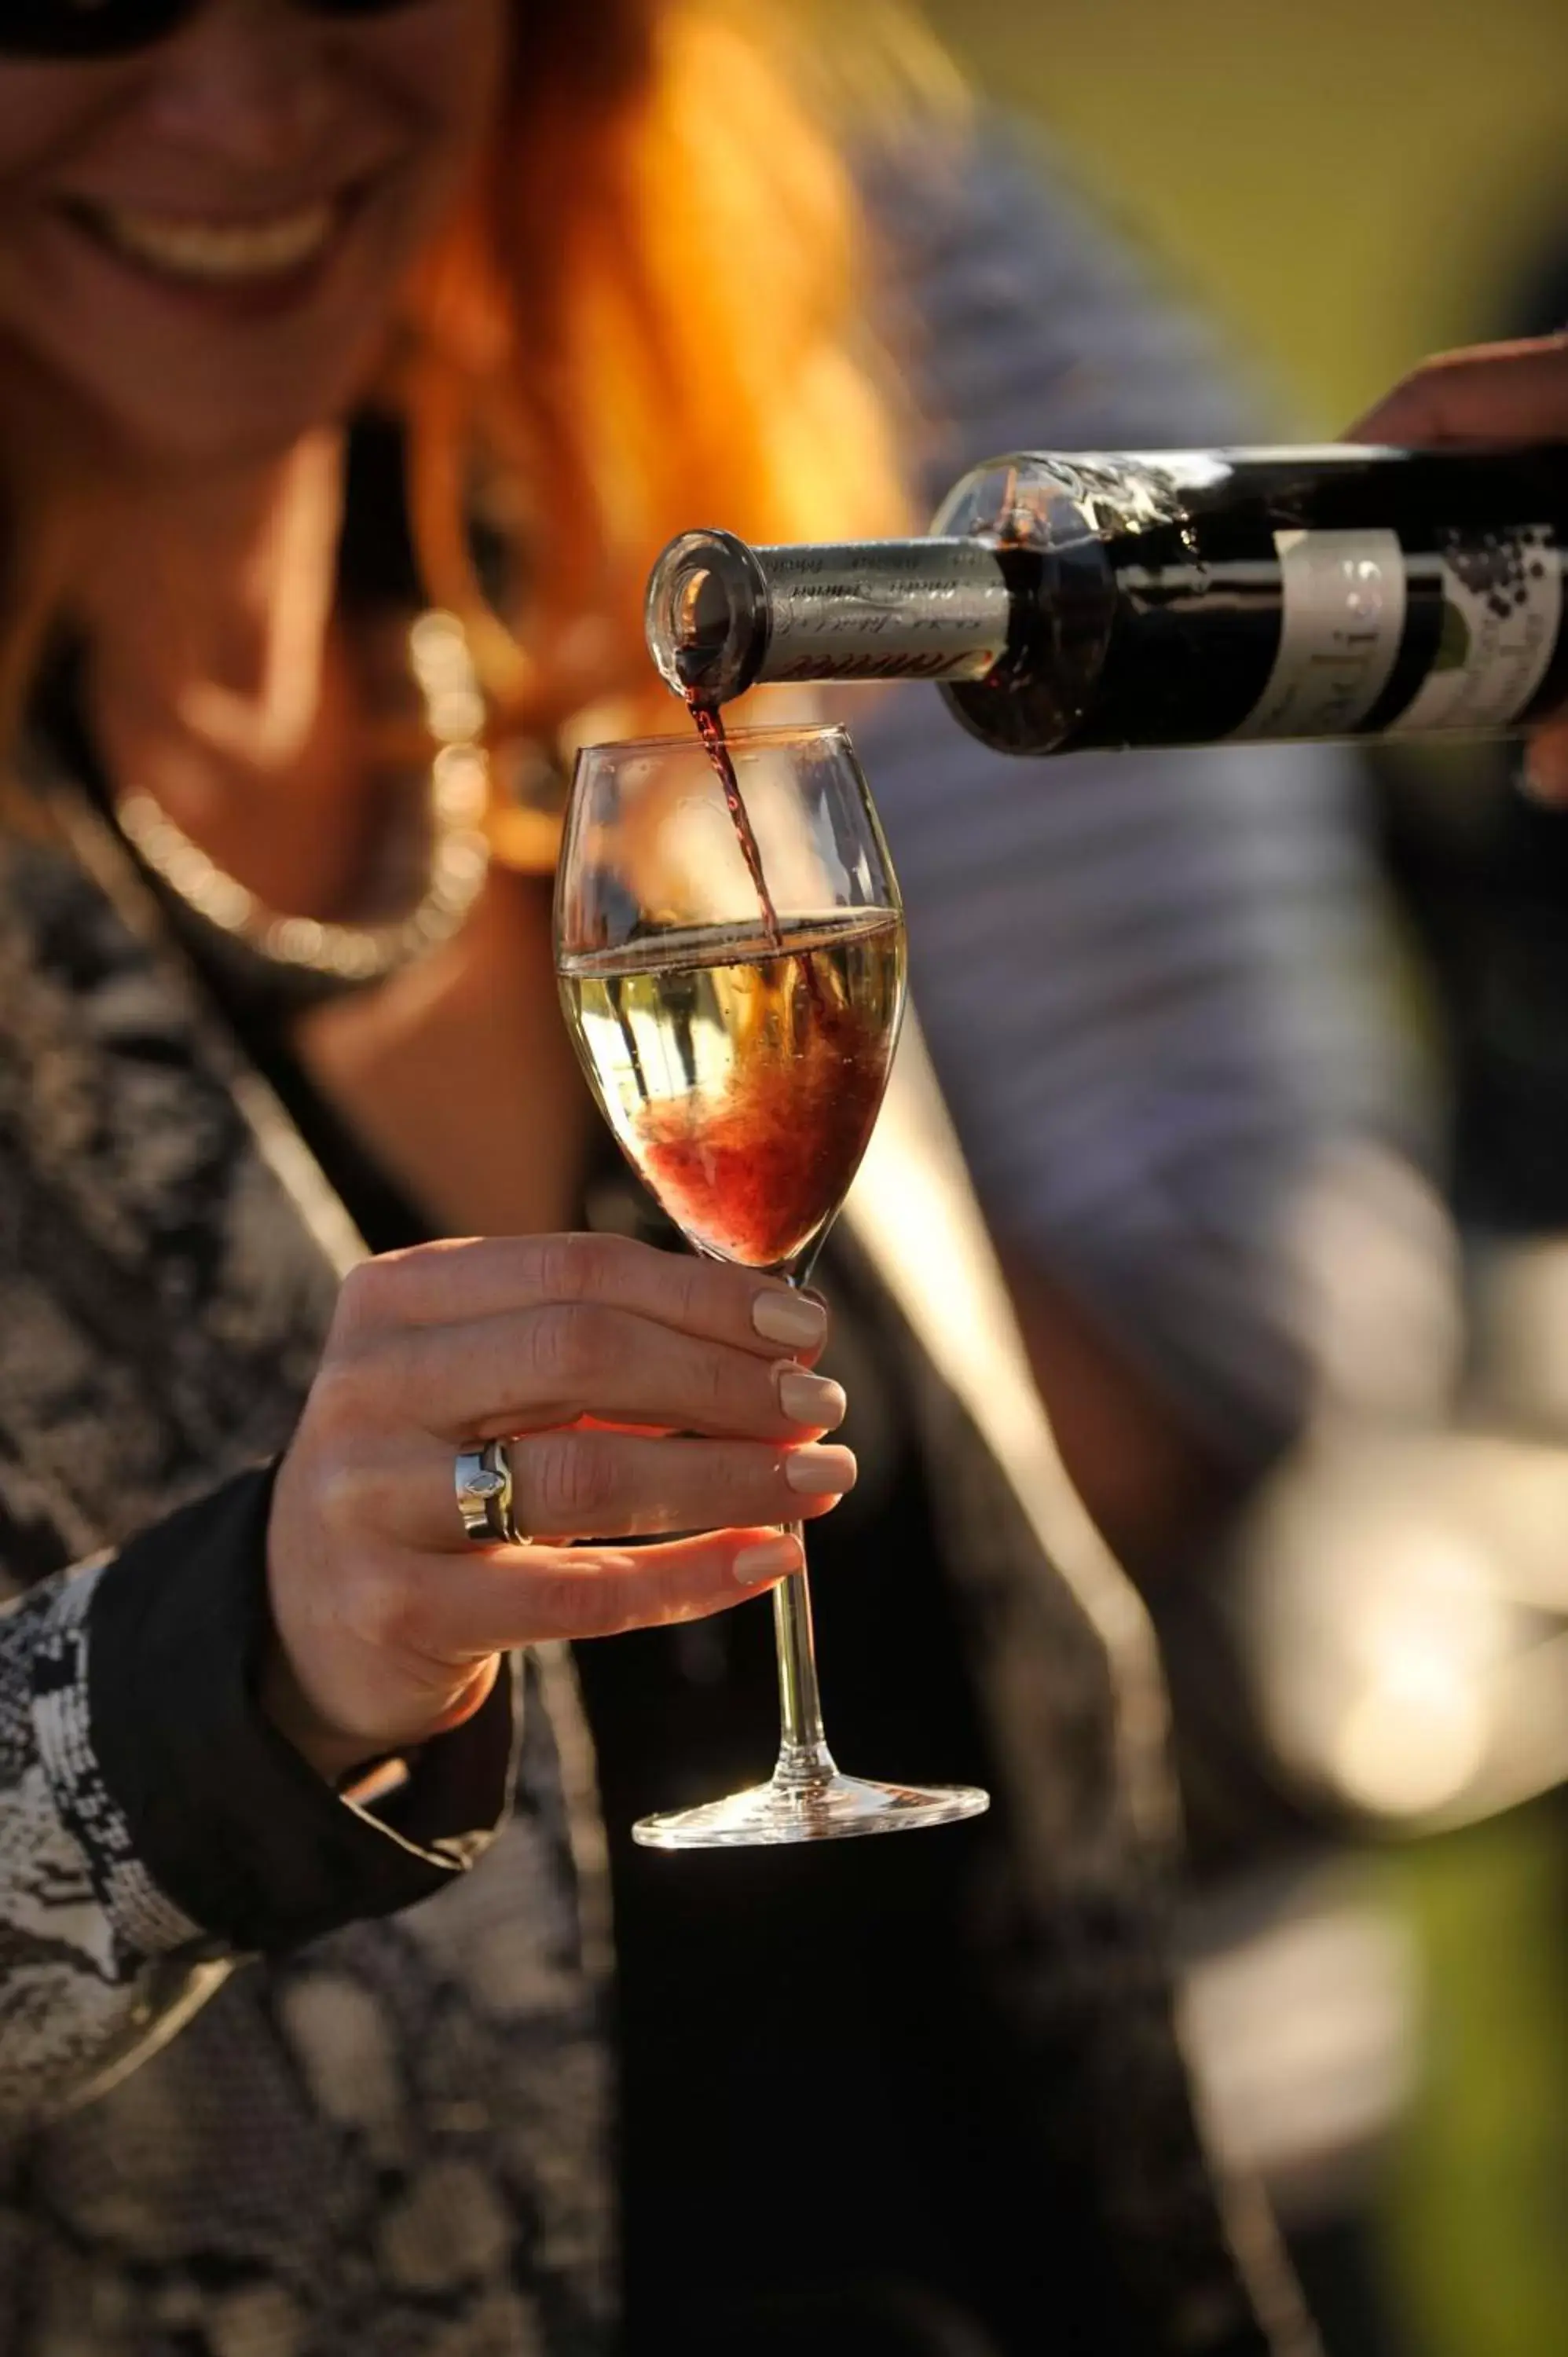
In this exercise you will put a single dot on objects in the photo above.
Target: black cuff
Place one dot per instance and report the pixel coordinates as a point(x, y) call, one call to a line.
point(225, 1815)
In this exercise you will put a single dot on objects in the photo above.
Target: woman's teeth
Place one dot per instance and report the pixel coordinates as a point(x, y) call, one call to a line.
point(219, 253)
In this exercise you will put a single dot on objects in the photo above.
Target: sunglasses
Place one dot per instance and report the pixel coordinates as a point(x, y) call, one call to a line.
point(115, 28)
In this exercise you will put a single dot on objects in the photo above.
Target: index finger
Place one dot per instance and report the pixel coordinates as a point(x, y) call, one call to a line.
point(475, 1276)
point(1490, 393)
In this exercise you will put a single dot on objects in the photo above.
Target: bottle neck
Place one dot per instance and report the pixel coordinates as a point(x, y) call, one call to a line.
point(722, 617)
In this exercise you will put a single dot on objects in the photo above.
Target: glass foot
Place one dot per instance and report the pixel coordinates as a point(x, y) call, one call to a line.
point(828, 1808)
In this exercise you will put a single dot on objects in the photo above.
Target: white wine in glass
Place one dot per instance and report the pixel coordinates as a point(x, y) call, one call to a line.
point(735, 995)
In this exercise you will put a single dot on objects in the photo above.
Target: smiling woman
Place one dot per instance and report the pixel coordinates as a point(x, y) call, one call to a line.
point(204, 233)
point(227, 225)
point(310, 317)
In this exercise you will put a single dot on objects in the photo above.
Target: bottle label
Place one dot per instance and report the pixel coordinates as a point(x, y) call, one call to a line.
point(1343, 597)
point(1502, 603)
point(1342, 608)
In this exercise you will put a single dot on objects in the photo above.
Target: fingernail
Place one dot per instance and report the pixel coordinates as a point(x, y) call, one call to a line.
point(820, 1473)
point(811, 1399)
point(784, 1317)
point(769, 1560)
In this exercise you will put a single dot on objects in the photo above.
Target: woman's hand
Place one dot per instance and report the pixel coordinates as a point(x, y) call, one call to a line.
point(389, 1620)
point(1493, 392)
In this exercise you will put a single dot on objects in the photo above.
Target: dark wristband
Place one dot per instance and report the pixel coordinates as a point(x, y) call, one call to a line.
point(230, 1820)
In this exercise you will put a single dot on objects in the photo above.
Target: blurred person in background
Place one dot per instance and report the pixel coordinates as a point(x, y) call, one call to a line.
point(312, 317)
point(1159, 988)
point(1163, 995)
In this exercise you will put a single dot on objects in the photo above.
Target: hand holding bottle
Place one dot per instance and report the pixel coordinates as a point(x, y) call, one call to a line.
point(1490, 393)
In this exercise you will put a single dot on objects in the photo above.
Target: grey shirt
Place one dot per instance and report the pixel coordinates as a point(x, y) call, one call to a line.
point(1157, 986)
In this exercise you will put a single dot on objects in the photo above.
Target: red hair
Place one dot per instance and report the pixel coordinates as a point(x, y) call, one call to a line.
point(645, 314)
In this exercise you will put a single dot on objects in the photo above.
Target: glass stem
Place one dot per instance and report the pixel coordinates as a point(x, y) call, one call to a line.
point(804, 1759)
point(803, 1756)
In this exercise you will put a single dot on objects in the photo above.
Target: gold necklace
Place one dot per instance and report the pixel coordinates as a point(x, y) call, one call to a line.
point(459, 854)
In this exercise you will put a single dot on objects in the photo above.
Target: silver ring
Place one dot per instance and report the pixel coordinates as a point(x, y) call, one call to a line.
point(483, 1478)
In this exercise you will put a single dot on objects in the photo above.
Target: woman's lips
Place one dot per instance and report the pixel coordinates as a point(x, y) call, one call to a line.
point(261, 269)
point(216, 253)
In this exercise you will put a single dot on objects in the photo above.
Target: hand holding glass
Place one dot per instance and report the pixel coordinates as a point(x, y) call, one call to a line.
point(739, 1048)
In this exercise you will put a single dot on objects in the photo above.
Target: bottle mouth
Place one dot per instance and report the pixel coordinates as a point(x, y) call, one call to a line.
point(706, 617)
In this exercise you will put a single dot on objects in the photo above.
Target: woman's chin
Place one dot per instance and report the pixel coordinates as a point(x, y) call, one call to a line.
point(214, 420)
point(169, 440)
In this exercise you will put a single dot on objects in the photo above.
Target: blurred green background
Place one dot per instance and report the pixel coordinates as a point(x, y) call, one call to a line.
point(1346, 183)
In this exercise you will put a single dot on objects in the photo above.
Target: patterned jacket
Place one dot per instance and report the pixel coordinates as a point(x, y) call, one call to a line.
point(279, 2075)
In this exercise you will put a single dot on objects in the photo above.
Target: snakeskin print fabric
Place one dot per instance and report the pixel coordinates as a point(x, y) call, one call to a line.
point(392, 2141)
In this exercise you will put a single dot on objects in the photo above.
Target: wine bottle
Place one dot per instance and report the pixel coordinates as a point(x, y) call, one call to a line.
point(1165, 598)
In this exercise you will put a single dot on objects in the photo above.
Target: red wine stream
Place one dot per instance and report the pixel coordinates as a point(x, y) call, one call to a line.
point(711, 729)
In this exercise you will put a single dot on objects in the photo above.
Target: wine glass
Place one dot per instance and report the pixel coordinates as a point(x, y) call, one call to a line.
point(729, 943)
